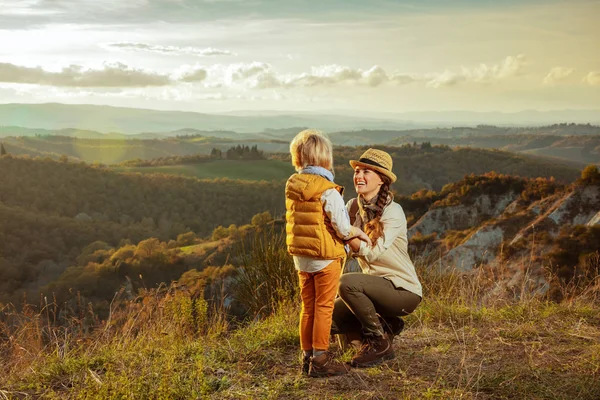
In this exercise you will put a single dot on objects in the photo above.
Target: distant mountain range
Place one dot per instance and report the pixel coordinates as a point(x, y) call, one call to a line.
point(107, 119)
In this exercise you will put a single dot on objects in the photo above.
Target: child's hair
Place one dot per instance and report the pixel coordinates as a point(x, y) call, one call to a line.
point(311, 147)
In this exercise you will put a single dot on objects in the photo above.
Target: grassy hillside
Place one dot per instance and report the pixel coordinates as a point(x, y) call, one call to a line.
point(417, 166)
point(577, 149)
point(431, 167)
point(571, 142)
point(117, 150)
point(255, 170)
point(463, 341)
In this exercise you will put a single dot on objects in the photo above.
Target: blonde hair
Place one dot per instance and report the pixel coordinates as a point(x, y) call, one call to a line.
point(311, 147)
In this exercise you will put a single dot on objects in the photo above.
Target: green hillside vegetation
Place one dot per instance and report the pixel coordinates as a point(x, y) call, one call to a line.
point(118, 150)
point(577, 149)
point(101, 271)
point(169, 342)
point(458, 134)
point(576, 143)
point(258, 170)
point(417, 166)
point(423, 166)
point(51, 210)
point(54, 209)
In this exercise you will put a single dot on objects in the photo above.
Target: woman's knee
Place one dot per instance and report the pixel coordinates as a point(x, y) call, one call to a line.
point(348, 283)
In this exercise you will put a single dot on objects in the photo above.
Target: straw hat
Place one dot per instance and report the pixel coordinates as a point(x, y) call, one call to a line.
point(377, 160)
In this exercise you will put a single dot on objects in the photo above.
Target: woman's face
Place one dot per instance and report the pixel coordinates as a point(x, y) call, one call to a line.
point(366, 182)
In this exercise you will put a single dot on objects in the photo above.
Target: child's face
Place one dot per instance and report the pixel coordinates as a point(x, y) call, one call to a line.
point(366, 182)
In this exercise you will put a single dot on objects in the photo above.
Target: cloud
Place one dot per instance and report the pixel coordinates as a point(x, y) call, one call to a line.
point(262, 76)
point(22, 7)
point(254, 75)
point(259, 75)
point(238, 72)
point(190, 74)
point(109, 75)
point(446, 78)
point(557, 74)
point(511, 66)
point(592, 78)
point(195, 51)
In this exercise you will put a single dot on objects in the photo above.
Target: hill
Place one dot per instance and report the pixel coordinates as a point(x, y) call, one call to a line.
point(431, 167)
point(138, 301)
point(52, 210)
point(134, 120)
point(55, 210)
point(517, 226)
point(575, 143)
point(256, 170)
point(417, 166)
point(118, 150)
point(170, 343)
point(580, 149)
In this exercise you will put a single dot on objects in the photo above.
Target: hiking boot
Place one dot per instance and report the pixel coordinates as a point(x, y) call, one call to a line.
point(325, 365)
point(305, 363)
point(350, 340)
point(391, 325)
point(373, 352)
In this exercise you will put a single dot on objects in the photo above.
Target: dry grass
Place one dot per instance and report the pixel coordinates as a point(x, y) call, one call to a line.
point(468, 339)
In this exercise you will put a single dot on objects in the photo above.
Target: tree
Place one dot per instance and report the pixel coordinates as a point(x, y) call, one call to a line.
point(590, 174)
point(260, 220)
point(216, 153)
point(186, 239)
point(2, 150)
point(220, 232)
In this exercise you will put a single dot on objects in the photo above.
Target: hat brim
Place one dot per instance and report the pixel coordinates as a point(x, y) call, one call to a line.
point(383, 171)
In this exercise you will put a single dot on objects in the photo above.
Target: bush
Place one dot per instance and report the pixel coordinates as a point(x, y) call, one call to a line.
point(186, 239)
point(220, 232)
point(267, 276)
point(590, 175)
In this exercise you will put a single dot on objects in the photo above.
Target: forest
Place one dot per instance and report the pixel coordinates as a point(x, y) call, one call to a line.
point(51, 210)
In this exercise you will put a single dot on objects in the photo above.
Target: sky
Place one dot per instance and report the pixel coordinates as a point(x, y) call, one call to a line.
point(364, 57)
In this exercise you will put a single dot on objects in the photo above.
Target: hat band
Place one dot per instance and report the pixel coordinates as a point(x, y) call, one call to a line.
point(371, 162)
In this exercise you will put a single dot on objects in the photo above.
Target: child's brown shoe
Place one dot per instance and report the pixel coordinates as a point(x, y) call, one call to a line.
point(325, 365)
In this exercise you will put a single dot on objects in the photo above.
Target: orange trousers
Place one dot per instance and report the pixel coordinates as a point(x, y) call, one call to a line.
point(318, 290)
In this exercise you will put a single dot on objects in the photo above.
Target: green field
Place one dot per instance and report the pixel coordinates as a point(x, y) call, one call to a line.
point(252, 170)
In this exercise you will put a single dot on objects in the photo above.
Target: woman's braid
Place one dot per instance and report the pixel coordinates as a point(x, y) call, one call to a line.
point(374, 228)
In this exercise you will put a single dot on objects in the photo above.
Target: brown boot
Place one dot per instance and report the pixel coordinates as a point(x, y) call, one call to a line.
point(351, 340)
point(373, 352)
point(391, 325)
point(325, 365)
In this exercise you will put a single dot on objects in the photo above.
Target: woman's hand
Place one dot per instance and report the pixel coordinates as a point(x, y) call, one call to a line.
point(363, 236)
point(354, 244)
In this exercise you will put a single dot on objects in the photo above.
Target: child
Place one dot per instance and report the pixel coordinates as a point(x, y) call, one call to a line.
point(317, 226)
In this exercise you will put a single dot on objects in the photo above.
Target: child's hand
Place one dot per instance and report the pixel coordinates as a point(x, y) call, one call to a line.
point(363, 236)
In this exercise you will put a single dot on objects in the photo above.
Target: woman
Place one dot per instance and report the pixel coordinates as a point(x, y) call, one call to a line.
point(371, 303)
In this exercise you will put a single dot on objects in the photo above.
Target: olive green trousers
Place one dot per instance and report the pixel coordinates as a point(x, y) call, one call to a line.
point(363, 298)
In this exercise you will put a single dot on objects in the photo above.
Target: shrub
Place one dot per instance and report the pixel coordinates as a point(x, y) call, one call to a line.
point(590, 175)
point(267, 276)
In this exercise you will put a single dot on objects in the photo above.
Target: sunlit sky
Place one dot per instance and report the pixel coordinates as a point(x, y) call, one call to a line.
point(300, 55)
